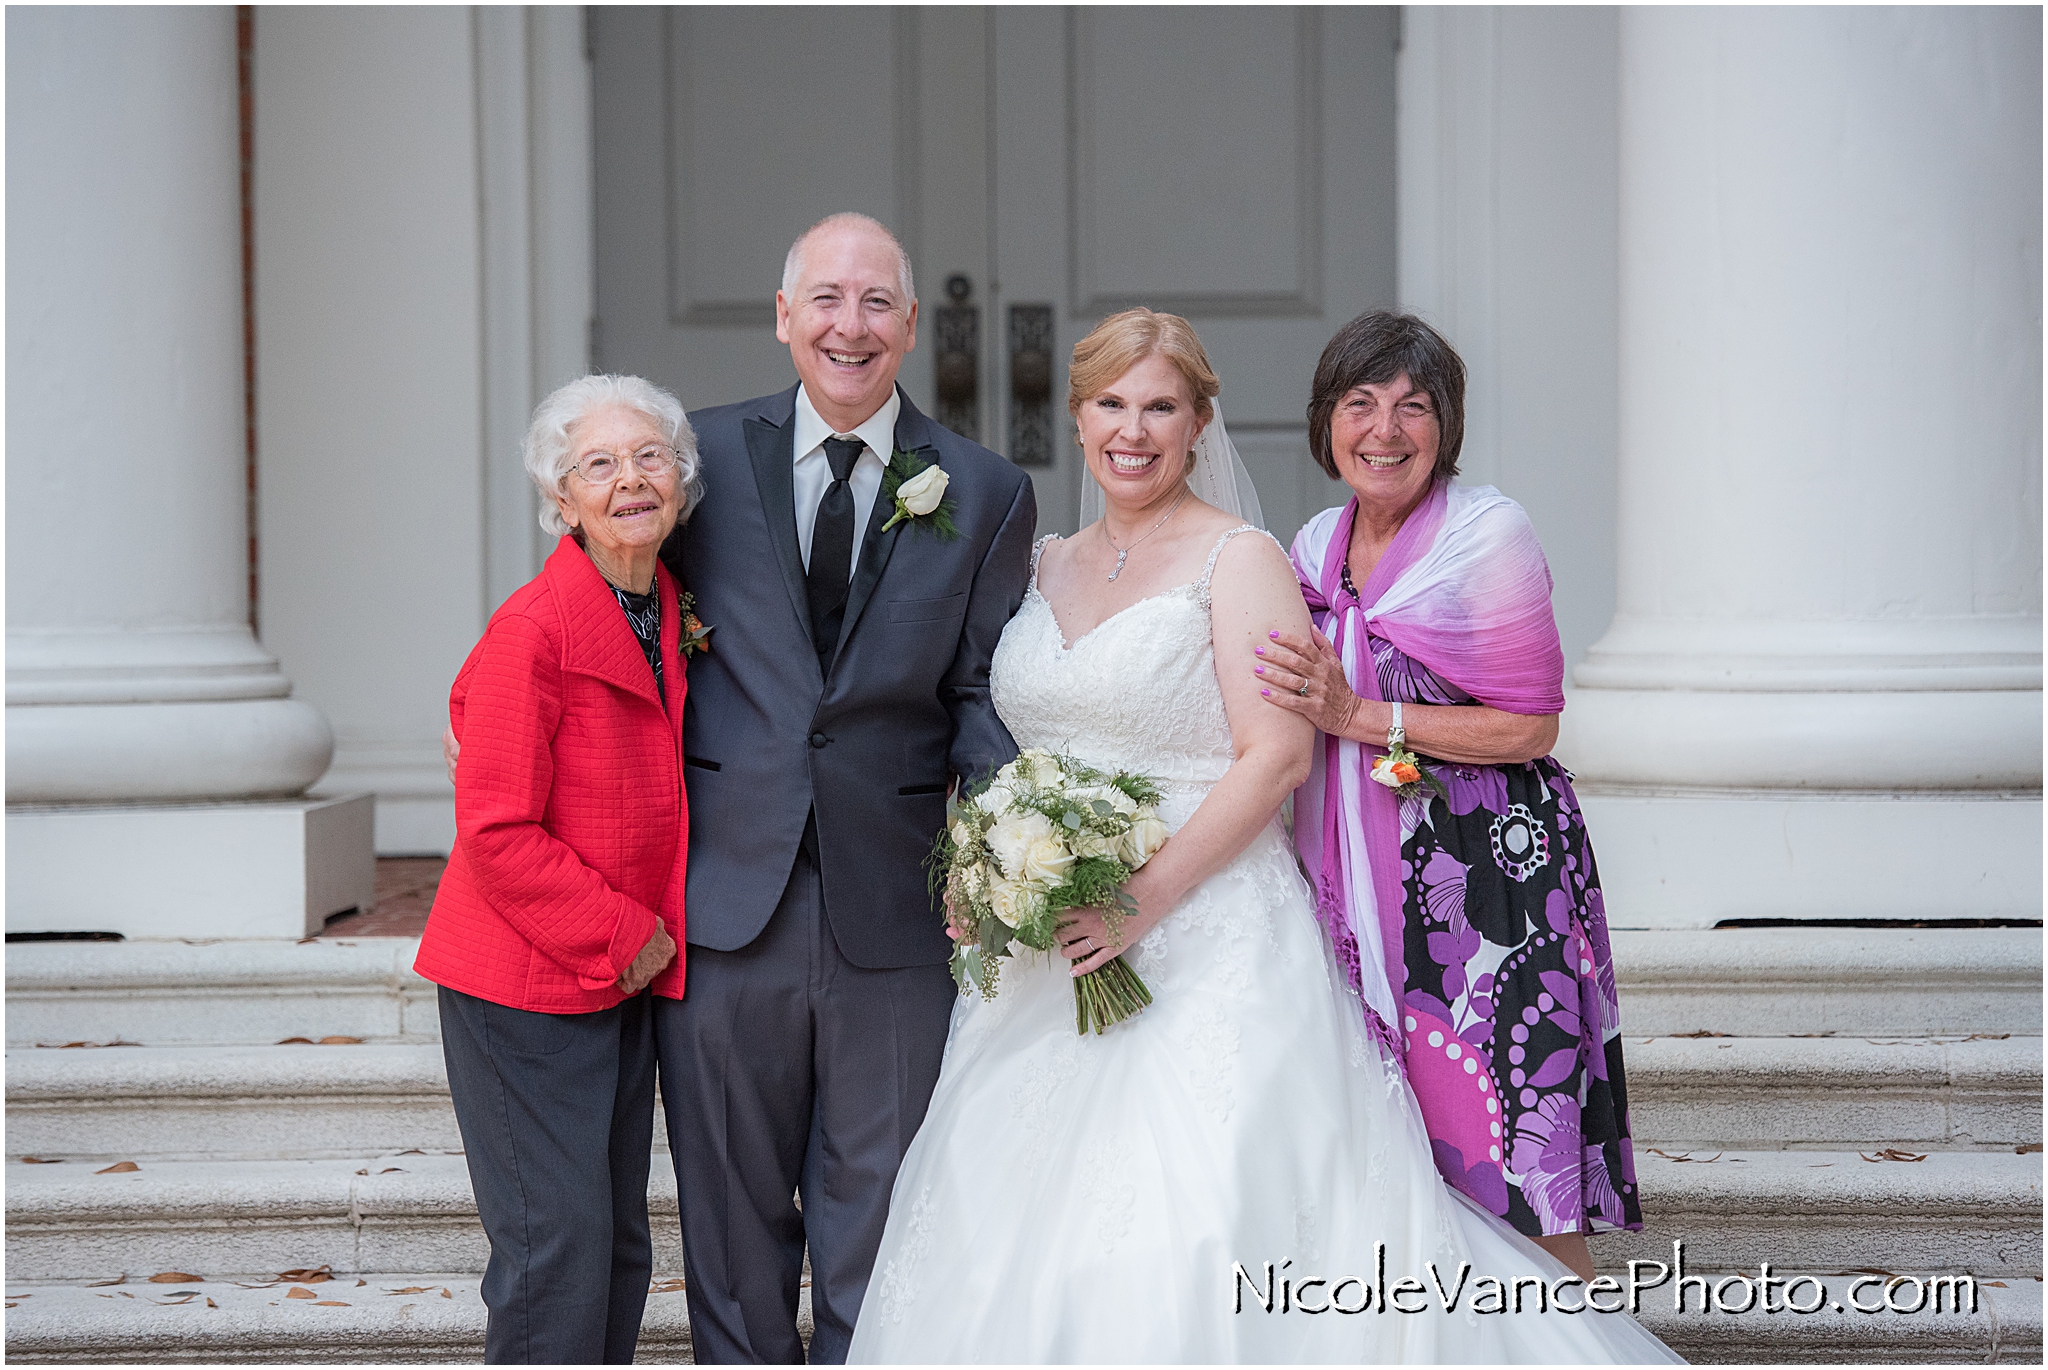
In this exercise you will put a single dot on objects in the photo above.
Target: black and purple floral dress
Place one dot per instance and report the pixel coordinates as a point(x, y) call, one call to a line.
point(1508, 967)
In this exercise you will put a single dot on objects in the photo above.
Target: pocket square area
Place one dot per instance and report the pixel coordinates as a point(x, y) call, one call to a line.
point(926, 610)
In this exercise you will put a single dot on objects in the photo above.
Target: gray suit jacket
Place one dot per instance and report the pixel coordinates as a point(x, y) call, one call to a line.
point(871, 743)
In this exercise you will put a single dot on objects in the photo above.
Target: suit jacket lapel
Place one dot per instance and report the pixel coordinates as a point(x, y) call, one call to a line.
point(772, 448)
point(913, 434)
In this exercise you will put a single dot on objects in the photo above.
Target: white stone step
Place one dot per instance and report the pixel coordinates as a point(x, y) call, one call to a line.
point(1825, 1093)
point(234, 1219)
point(380, 1320)
point(278, 1102)
point(161, 993)
point(190, 1103)
point(1761, 982)
point(1976, 1211)
point(1784, 982)
point(2006, 1329)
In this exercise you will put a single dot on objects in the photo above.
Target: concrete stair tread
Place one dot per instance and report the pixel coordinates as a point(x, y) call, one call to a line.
point(384, 1318)
point(1811, 1184)
point(2006, 1328)
point(230, 1071)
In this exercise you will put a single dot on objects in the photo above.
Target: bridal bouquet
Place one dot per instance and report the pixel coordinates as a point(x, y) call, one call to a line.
point(1043, 835)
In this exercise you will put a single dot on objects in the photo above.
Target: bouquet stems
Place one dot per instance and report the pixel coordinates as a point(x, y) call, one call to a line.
point(1105, 997)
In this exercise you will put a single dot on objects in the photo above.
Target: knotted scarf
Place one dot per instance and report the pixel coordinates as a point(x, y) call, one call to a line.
point(1465, 591)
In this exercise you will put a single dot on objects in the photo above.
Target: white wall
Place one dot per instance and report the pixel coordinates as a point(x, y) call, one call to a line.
point(1507, 243)
point(417, 276)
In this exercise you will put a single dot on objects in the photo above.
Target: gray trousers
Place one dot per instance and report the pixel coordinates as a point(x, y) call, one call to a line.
point(785, 1069)
point(557, 1119)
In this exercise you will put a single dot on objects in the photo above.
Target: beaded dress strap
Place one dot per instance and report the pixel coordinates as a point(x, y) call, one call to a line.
point(1037, 551)
point(1208, 571)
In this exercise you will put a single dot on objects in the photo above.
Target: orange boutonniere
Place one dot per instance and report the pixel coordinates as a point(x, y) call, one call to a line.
point(696, 633)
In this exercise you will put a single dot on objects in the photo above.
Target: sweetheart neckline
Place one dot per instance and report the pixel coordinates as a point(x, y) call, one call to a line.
point(1061, 633)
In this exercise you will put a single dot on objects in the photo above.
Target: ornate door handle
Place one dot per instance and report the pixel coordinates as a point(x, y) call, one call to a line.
point(956, 373)
point(1031, 384)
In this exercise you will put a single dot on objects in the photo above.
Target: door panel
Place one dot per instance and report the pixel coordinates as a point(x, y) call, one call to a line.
point(1233, 164)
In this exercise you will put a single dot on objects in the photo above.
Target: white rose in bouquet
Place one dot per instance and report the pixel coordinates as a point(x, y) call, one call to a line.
point(1147, 835)
point(1048, 861)
point(1015, 901)
point(1013, 835)
point(1088, 844)
point(1039, 767)
point(975, 880)
point(997, 797)
point(962, 834)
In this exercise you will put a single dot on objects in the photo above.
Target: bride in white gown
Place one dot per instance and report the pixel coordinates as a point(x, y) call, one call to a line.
point(1119, 1197)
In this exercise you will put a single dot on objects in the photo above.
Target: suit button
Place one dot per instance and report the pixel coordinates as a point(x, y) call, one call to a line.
point(819, 739)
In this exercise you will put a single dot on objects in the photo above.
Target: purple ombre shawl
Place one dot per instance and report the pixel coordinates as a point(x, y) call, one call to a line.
point(1465, 591)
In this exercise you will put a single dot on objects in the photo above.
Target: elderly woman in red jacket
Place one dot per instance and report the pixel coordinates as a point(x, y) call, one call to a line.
point(562, 906)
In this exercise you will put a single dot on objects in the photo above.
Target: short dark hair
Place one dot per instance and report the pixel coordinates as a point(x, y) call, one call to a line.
point(1374, 348)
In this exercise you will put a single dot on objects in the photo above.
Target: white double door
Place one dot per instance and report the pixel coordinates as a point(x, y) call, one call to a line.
point(1235, 165)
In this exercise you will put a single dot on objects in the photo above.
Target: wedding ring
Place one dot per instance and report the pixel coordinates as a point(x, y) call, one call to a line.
point(1303, 691)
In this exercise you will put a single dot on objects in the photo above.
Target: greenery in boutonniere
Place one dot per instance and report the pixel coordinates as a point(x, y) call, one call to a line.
point(696, 636)
point(918, 490)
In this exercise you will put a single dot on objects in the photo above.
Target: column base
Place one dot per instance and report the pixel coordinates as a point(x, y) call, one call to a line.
point(1689, 861)
point(260, 869)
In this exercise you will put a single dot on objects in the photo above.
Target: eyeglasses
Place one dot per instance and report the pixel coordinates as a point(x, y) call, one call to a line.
point(602, 468)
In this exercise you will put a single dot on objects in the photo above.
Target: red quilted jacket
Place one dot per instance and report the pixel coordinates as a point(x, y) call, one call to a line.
point(571, 825)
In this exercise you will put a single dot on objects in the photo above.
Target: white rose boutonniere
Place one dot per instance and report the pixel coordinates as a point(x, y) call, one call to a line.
point(917, 489)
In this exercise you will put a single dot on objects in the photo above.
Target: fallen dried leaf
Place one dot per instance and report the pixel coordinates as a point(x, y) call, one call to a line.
point(72, 1046)
point(666, 1287)
point(211, 1304)
point(1822, 1165)
point(1688, 1156)
point(392, 1170)
point(446, 1295)
point(38, 1160)
point(312, 1274)
point(413, 1289)
point(361, 1283)
point(1987, 1037)
point(123, 1293)
point(297, 1293)
point(2026, 1148)
point(296, 1042)
point(362, 1172)
point(1892, 1153)
point(410, 1151)
point(119, 1168)
point(10, 1305)
point(176, 1277)
point(102, 1284)
point(339, 1041)
point(1701, 1033)
point(1988, 1284)
point(330, 1303)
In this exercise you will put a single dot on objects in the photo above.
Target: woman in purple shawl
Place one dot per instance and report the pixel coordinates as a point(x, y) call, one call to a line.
point(1464, 903)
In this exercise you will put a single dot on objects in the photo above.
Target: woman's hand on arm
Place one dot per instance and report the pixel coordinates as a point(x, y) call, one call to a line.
point(1253, 594)
point(1475, 733)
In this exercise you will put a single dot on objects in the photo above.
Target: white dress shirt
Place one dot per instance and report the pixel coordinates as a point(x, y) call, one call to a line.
point(813, 471)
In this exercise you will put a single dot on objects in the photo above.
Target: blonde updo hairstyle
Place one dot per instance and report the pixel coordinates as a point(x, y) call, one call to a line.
point(1123, 340)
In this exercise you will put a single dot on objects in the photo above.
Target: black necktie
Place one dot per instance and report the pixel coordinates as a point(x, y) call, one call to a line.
point(832, 547)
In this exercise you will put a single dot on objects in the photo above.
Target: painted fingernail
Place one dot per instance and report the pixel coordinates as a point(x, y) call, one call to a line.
point(1267, 693)
point(1258, 670)
point(1258, 651)
point(1275, 634)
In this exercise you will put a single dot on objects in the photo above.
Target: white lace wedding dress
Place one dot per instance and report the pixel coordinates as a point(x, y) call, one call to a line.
point(1088, 1198)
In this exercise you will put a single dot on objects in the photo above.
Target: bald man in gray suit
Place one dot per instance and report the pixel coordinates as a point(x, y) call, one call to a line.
point(845, 691)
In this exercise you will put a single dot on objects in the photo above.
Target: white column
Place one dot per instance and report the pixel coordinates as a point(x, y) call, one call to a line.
point(132, 673)
point(1830, 445)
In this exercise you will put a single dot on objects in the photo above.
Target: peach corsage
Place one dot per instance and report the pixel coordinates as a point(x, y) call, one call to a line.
point(1401, 771)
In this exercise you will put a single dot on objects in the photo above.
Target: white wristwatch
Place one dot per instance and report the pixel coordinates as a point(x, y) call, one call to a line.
point(1396, 734)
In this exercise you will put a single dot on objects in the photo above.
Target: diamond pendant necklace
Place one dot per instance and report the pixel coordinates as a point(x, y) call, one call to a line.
point(1123, 553)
